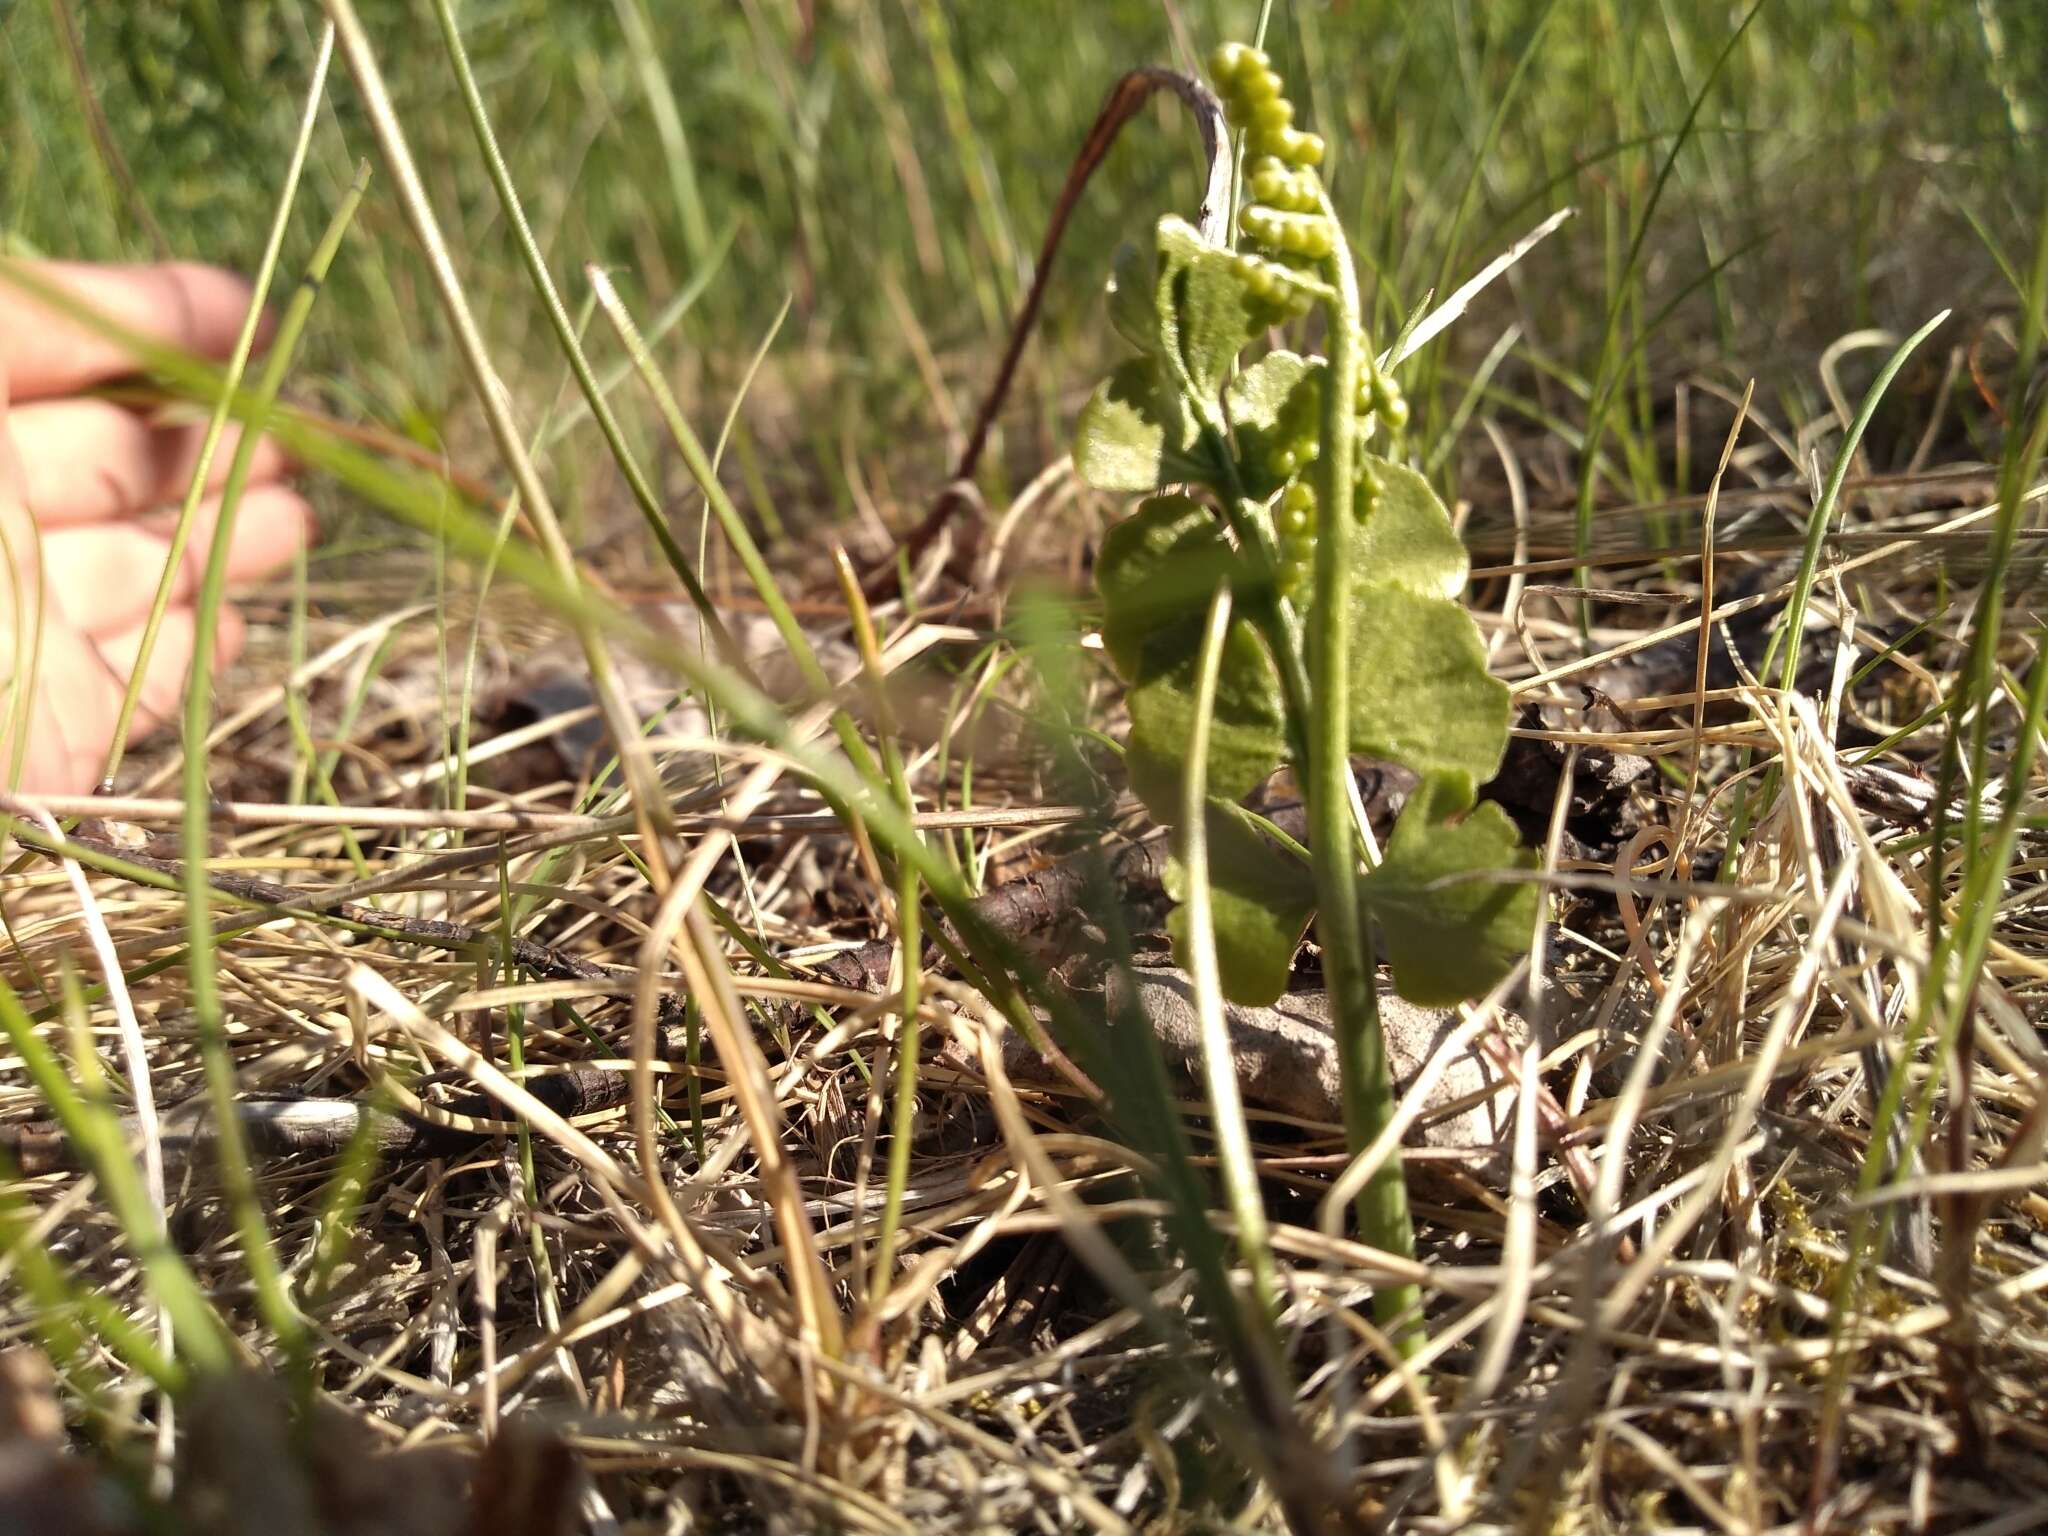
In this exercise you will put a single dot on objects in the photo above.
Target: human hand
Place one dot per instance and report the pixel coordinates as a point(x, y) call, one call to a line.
point(89, 497)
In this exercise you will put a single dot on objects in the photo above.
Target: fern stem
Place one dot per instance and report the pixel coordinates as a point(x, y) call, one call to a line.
point(1383, 1219)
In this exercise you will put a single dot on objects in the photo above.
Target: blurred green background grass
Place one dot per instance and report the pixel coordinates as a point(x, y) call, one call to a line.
point(886, 168)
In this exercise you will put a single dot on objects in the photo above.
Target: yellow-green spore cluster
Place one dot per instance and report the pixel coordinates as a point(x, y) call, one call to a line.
point(1295, 522)
point(1284, 221)
point(1255, 100)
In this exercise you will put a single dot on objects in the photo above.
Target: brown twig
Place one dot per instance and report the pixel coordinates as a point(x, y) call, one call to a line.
point(323, 1127)
point(1125, 98)
point(542, 960)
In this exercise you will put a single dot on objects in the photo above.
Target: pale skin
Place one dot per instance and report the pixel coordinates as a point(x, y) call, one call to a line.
point(89, 493)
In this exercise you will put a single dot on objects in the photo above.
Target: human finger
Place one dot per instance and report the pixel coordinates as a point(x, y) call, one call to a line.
point(69, 720)
point(34, 753)
point(87, 460)
point(189, 305)
point(79, 686)
point(170, 660)
point(102, 577)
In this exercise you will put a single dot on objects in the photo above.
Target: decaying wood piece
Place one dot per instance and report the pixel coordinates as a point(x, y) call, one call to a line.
point(1034, 903)
point(251, 1463)
point(1044, 900)
point(1286, 1056)
point(45, 1485)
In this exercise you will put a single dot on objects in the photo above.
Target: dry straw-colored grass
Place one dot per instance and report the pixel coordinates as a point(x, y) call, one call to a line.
point(637, 1201)
point(1637, 1313)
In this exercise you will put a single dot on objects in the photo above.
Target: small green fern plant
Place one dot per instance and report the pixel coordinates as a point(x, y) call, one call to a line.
point(1347, 637)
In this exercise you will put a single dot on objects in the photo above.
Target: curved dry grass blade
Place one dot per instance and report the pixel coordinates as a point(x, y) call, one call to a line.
point(391, 140)
point(1219, 1065)
point(1125, 98)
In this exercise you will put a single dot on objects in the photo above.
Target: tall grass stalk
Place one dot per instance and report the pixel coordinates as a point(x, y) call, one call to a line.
point(238, 361)
point(1789, 637)
point(1341, 923)
point(273, 1297)
point(95, 1131)
point(691, 219)
point(909, 930)
point(567, 337)
point(1219, 1063)
point(1624, 290)
point(648, 802)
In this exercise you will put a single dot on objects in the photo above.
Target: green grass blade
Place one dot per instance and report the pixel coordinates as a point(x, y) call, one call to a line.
point(95, 1132)
point(272, 1294)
